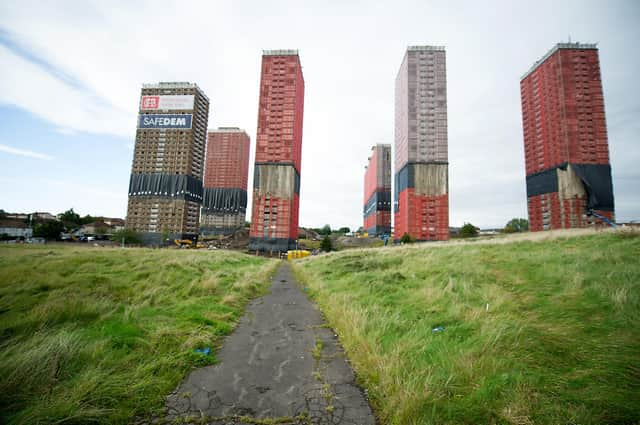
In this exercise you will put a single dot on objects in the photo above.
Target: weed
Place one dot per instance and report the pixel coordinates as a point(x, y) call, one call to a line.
point(317, 349)
point(543, 331)
point(103, 335)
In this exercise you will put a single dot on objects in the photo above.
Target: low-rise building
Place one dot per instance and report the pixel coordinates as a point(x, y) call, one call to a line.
point(15, 229)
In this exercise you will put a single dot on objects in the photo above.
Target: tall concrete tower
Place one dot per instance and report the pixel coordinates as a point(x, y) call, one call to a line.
point(165, 188)
point(565, 139)
point(224, 204)
point(276, 182)
point(377, 192)
point(421, 193)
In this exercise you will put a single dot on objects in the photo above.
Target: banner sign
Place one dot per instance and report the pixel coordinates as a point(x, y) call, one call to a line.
point(168, 103)
point(164, 121)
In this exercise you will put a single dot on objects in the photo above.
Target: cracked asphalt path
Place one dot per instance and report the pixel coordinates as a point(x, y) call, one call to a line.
point(281, 362)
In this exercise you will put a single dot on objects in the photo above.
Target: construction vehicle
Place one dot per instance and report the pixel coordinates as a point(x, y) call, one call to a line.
point(183, 243)
point(297, 253)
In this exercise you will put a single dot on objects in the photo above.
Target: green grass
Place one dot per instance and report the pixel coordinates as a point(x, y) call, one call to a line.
point(104, 335)
point(541, 332)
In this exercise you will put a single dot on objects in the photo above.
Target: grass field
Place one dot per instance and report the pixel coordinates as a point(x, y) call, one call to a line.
point(530, 332)
point(104, 335)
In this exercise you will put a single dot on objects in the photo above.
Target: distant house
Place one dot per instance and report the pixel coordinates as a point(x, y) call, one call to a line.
point(17, 216)
point(115, 223)
point(42, 216)
point(95, 228)
point(15, 229)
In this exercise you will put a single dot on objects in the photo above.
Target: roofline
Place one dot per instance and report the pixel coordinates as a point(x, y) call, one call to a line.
point(174, 85)
point(577, 46)
point(226, 130)
point(280, 52)
point(383, 145)
point(425, 48)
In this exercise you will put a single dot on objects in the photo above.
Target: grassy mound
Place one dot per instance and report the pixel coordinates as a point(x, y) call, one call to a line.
point(101, 335)
point(544, 332)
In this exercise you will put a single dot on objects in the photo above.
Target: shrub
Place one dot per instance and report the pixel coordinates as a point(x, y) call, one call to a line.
point(407, 238)
point(129, 236)
point(468, 231)
point(326, 245)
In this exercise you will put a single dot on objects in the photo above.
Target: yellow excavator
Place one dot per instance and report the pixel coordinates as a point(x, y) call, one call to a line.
point(183, 243)
point(188, 243)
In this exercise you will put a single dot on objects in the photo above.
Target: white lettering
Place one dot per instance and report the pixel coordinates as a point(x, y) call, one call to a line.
point(155, 121)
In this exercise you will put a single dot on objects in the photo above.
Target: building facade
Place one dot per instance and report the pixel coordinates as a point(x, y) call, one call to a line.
point(224, 204)
point(421, 180)
point(568, 172)
point(377, 192)
point(276, 182)
point(165, 188)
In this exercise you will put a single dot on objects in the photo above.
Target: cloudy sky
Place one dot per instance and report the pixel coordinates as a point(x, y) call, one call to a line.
point(71, 72)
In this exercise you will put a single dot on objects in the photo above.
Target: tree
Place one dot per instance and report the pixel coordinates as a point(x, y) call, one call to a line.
point(468, 231)
point(164, 235)
point(70, 216)
point(344, 230)
point(129, 236)
point(517, 225)
point(407, 238)
point(48, 230)
point(87, 219)
point(102, 230)
point(3, 213)
point(326, 230)
point(326, 245)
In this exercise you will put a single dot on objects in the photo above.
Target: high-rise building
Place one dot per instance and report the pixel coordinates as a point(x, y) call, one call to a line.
point(421, 181)
point(276, 182)
point(224, 203)
point(377, 192)
point(565, 139)
point(165, 189)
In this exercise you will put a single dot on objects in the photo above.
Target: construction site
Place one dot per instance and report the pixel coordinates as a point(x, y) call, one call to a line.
point(565, 139)
point(377, 192)
point(421, 180)
point(276, 178)
point(178, 194)
point(224, 204)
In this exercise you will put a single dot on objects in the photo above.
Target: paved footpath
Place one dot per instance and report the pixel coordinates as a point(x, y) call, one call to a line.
point(281, 362)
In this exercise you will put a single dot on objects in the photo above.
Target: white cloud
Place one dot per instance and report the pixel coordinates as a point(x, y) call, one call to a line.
point(23, 152)
point(29, 86)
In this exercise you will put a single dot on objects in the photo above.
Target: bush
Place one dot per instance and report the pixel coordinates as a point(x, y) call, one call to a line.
point(407, 238)
point(325, 230)
point(326, 245)
point(516, 225)
point(129, 236)
point(468, 231)
point(49, 230)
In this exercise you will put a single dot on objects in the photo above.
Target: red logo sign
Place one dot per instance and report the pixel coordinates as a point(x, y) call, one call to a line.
point(150, 102)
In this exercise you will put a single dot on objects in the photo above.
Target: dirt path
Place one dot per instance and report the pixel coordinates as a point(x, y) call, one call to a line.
point(281, 362)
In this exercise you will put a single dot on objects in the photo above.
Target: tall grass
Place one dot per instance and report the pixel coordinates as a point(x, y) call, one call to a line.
point(102, 335)
point(541, 332)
